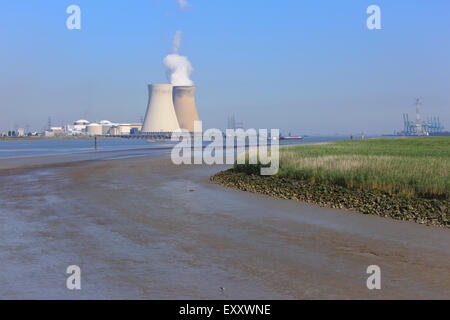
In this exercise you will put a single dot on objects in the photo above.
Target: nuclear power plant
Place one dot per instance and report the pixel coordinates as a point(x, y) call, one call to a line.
point(185, 109)
point(170, 108)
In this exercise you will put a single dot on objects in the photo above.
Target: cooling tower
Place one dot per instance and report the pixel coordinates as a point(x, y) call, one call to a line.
point(184, 102)
point(160, 115)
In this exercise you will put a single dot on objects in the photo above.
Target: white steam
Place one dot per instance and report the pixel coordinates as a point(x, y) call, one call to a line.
point(179, 68)
point(177, 41)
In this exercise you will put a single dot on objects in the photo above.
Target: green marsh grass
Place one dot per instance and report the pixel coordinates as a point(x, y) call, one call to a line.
point(408, 166)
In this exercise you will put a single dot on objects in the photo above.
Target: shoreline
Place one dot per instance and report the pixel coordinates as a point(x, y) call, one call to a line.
point(431, 212)
point(402, 179)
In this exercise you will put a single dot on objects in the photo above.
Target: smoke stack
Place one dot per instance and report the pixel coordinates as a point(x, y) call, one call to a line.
point(184, 102)
point(160, 115)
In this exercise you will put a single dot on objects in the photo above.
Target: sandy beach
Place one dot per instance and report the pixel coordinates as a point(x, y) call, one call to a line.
point(143, 228)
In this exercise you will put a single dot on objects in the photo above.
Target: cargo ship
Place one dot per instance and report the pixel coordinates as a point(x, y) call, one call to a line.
point(289, 137)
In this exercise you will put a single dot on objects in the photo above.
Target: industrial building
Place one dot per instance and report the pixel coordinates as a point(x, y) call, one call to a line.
point(106, 126)
point(103, 127)
point(78, 128)
point(129, 128)
point(55, 131)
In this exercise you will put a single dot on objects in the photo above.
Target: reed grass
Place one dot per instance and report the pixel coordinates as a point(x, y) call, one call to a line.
point(407, 166)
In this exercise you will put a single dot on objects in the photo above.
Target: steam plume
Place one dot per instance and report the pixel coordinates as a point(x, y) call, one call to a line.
point(179, 68)
point(183, 4)
point(177, 41)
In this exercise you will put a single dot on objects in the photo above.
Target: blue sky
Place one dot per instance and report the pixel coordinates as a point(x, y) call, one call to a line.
point(308, 67)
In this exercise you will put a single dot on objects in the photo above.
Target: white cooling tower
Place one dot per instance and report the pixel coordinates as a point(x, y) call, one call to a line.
point(184, 102)
point(160, 115)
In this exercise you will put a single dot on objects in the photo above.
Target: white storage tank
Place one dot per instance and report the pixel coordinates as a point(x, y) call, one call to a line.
point(94, 129)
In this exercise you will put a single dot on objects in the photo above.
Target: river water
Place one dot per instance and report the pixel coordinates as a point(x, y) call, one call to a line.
point(32, 148)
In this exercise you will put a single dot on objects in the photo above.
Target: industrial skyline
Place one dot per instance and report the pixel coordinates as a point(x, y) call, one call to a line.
point(431, 126)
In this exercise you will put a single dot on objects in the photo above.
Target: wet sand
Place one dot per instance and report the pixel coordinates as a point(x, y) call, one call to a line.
point(142, 228)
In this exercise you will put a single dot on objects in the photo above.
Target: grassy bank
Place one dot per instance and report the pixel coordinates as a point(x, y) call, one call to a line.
point(407, 179)
point(413, 167)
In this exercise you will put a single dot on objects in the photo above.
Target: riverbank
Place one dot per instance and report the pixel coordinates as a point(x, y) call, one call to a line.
point(405, 179)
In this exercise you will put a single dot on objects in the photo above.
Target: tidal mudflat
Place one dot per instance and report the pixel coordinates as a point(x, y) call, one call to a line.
point(142, 228)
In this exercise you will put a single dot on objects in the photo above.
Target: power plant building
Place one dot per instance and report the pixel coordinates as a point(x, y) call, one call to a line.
point(79, 126)
point(106, 126)
point(169, 109)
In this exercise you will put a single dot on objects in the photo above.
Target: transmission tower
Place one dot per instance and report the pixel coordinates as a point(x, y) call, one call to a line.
point(418, 103)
